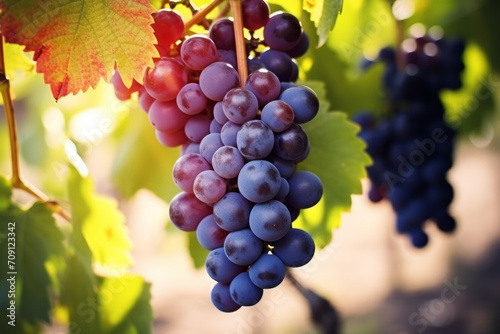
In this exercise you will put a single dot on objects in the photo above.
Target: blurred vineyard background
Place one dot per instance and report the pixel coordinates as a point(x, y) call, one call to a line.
point(373, 276)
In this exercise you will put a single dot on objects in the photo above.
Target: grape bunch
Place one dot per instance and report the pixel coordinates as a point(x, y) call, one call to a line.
point(412, 150)
point(241, 143)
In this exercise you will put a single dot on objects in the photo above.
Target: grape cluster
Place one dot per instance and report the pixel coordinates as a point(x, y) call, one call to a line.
point(240, 146)
point(412, 149)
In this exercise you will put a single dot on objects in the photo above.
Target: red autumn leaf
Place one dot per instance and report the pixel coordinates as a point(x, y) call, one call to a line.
point(76, 42)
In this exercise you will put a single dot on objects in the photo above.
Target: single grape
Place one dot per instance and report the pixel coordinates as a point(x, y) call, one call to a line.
point(123, 92)
point(191, 100)
point(254, 64)
point(171, 139)
point(255, 140)
point(265, 85)
point(186, 168)
point(209, 234)
point(295, 249)
point(306, 190)
point(197, 127)
point(227, 56)
point(232, 212)
point(243, 291)
point(215, 127)
point(217, 79)
point(301, 48)
point(222, 33)
point(168, 26)
point(259, 181)
point(165, 116)
point(255, 14)
point(227, 161)
point(279, 63)
point(283, 192)
point(209, 187)
point(209, 145)
point(240, 105)
point(285, 167)
point(165, 80)
point(291, 144)
point(198, 51)
point(219, 268)
point(190, 147)
point(278, 115)
point(303, 101)
point(243, 247)
point(219, 115)
point(418, 238)
point(283, 31)
point(270, 221)
point(221, 298)
point(267, 272)
point(145, 100)
point(229, 132)
point(186, 211)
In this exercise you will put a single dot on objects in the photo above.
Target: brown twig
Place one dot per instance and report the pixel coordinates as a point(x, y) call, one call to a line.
point(16, 178)
point(199, 16)
point(241, 52)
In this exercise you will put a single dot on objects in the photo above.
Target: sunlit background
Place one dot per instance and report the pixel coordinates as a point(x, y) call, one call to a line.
point(378, 282)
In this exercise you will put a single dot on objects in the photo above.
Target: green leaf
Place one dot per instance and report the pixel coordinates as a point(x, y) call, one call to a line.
point(38, 242)
point(125, 305)
point(196, 251)
point(80, 296)
point(324, 15)
point(142, 162)
point(98, 223)
point(338, 158)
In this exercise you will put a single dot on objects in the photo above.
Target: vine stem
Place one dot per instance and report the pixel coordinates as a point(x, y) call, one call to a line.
point(199, 16)
point(16, 178)
point(239, 38)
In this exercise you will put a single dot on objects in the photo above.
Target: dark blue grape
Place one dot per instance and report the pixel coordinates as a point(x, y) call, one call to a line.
point(295, 249)
point(243, 291)
point(267, 272)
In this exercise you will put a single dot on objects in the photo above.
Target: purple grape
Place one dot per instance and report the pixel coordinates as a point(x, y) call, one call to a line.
point(291, 144)
point(259, 181)
point(240, 105)
point(191, 100)
point(279, 63)
point(209, 234)
point(222, 33)
point(243, 247)
point(270, 221)
point(283, 31)
point(209, 187)
point(221, 298)
point(255, 140)
point(186, 211)
point(227, 161)
point(215, 127)
point(186, 168)
point(303, 101)
point(197, 127)
point(232, 211)
point(278, 115)
point(295, 249)
point(265, 85)
point(229, 132)
point(219, 268)
point(243, 291)
point(267, 272)
point(305, 191)
point(209, 145)
point(217, 79)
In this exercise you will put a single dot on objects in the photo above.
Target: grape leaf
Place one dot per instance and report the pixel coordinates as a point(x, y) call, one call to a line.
point(76, 42)
point(338, 158)
point(125, 305)
point(79, 295)
point(324, 15)
point(38, 241)
point(97, 219)
point(142, 161)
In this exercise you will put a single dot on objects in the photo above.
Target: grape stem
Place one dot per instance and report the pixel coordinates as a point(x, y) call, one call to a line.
point(239, 38)
point(200, 15)
point(16, 179)
point(323, 314)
